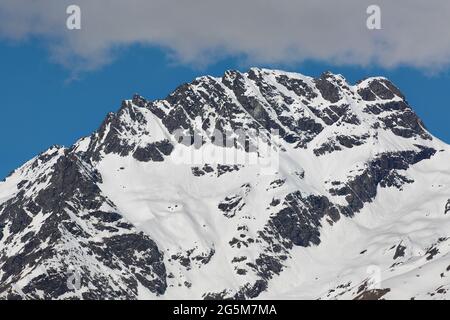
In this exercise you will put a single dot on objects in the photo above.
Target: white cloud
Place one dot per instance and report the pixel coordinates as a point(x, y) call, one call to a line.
point(414, 32)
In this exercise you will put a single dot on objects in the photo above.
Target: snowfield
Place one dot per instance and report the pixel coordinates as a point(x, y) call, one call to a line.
point(355, 204)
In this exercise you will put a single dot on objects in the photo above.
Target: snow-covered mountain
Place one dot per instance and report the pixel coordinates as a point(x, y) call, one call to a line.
point(353, 200)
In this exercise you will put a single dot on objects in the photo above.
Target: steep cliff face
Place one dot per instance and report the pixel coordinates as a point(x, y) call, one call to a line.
point(257, 184)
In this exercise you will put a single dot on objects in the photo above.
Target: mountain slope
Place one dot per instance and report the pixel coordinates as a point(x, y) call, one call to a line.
point(260, 184)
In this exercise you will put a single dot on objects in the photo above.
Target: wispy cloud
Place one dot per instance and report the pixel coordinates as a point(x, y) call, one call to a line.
point(414, 32)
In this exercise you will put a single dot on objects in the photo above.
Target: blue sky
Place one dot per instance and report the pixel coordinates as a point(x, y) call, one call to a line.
point(42, 107)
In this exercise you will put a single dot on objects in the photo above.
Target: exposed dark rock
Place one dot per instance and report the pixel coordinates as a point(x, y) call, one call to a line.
point(406, 124)
point(238, 259)
point(275, 202)
point(154, 151)
point(251, 104)
point(367, 94)
point(363, 187)
point(380, 90)
point(399, 251)
point(277, 183)
point(395, 179)
point(198, 172)
point(351, 141)
point(299, 221)
point(298, 86)
point(73, 188)
point(241, 272)
point(206, 258)
point(327, 147)
point(231, 205)
point(373, 294)
point(222, 169)
point(187, 260)
point(431, 252)
point(252, 291)
point(328, 90)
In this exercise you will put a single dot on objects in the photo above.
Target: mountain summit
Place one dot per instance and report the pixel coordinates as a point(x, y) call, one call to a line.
point(263, 184)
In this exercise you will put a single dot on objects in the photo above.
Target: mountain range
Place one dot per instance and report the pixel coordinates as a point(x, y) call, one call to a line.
point(338, 191)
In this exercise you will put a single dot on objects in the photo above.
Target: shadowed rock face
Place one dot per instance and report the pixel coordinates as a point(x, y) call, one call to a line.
point(380, 88)
point(66, 241)
point(327, 88)
point(254, 101)
point(363, 188)
point(58, 229)
point(373, 294)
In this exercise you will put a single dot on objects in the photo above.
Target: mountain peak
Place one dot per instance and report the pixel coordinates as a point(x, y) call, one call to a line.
point(166, 200)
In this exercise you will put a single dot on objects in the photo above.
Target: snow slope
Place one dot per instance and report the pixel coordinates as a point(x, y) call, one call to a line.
point(352, 201)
